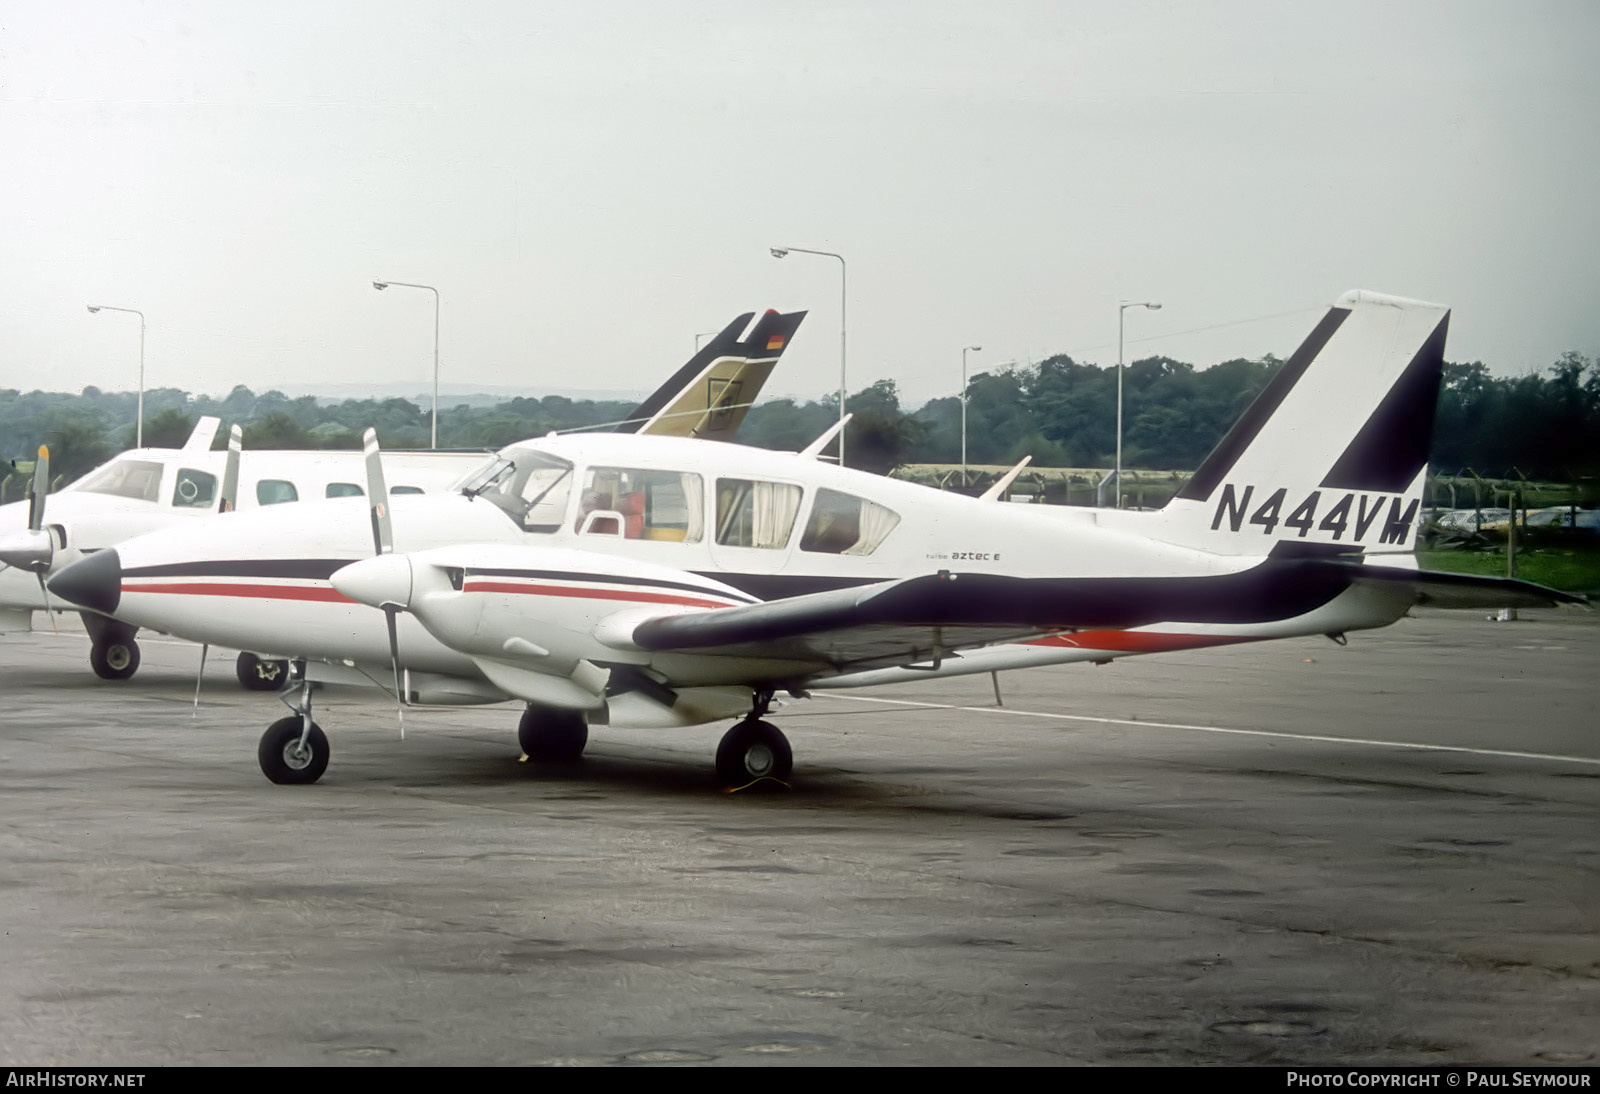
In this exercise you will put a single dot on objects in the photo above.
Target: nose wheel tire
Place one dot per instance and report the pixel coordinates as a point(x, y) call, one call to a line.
point(284, 760)
point(548, 735)
point(753, 750)
point(115, 660)
point(258, 674)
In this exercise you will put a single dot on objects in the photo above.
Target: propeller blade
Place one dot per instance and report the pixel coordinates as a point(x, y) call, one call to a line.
point(389, 614)
point(49, 608)
point(230, 473)
point(378, 495)
point(39, 490)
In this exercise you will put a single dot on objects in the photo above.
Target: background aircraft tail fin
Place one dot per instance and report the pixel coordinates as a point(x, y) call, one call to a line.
point(711, 394)
point(1333, 452)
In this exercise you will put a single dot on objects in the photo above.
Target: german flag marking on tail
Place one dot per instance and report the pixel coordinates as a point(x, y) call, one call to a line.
point(775, 342)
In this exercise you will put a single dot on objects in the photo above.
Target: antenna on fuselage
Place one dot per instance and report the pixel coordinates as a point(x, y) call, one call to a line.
point(813, 451)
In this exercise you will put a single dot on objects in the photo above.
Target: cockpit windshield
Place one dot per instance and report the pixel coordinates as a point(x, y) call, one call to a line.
point(532, 486)
point(139, 479)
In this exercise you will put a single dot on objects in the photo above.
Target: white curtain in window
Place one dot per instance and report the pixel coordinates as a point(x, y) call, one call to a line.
point(876, 524)
point(775, 505)
point(694, 504)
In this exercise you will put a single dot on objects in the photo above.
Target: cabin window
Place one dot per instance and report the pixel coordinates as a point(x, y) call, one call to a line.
point(843, 524)
point(343, 490)
point(635, 503)
point(275, 492)
point(393, 490)
point(751, 513)
point(194, 489)
point(125, 479)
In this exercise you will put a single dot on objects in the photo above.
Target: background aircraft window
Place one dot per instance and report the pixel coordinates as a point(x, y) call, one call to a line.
point(393, 490)
point(194, 489)
point(275, 492)
point(125, 479)
point(843, 524)
point(343, 490)
point(659, 505)
point(755, 514)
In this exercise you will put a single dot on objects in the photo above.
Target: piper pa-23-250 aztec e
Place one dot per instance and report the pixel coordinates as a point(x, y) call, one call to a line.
point(662, 582)
point(149, 489)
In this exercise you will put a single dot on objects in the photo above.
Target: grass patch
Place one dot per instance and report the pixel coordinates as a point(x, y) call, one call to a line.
point(1572, 569)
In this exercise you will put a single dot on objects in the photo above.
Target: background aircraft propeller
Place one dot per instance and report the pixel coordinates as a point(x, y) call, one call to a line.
point(230, 473)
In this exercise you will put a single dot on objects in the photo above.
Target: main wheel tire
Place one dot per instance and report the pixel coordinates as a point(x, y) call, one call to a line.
point(281, 757)
point(753, 750)
point(549, 735)
point(114, 660)
point(258, 674)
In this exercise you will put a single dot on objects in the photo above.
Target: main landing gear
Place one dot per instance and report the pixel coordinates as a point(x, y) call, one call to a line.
point(551, 735)
point(754, 751)
point(114, 655)
point(260, 674)
point(294, 750)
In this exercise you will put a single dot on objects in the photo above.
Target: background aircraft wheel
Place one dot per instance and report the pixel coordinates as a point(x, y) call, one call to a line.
point(753, 750)
point(551, 735)
point(282, 759)
point(256, 674)
point(114, 660)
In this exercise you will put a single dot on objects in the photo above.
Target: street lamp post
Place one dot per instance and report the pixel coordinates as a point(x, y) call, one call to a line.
point(964, 350)
point(380, 286)
point(1122, 309)
point(138, 429)
point(779, 252)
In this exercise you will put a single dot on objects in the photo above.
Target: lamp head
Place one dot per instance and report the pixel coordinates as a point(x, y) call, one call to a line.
point(778, 252)
point(1153, 307)
point(93, 308)
point(975, 349)
point(380, 285)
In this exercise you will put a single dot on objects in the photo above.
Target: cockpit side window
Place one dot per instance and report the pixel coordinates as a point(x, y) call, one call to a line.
point(843, 524)
point(752, 513)
point(125, 479)
point(532, 486)
point(640, 503)
point(194, 489)
point(343, 490)
point(275, 492)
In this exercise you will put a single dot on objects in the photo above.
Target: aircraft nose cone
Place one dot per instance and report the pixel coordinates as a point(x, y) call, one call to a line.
point(383, 581)
point(27, 549)
point(94, 582)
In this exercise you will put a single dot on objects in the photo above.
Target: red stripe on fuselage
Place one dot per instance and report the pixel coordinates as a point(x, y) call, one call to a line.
point(262, 592)
point(639, 597)
point(1137, 641)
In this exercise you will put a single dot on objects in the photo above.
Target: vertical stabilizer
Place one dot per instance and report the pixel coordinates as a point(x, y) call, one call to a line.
point(1334, 450)
point(710, 395)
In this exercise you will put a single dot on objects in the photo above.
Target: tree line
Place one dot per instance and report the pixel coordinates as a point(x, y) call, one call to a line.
point(1544, 424)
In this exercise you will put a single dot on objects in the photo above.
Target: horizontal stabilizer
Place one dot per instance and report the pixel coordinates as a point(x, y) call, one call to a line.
point(1445, 590)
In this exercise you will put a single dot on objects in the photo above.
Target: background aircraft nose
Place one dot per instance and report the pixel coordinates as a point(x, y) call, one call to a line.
point(94, 582)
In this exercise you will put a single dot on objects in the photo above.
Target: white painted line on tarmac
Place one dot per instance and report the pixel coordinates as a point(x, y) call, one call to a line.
point(1224, 729)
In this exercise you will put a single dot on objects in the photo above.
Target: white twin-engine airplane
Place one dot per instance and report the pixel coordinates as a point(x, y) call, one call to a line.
point(647, 581)
point(149, 489)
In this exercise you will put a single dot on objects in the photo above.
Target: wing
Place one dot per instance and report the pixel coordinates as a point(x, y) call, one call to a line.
point(923, 618)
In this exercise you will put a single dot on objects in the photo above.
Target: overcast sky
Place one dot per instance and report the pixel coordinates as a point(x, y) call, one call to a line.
point(590, 185)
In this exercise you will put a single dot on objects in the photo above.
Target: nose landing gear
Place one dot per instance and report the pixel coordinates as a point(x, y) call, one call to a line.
point(294, 750)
